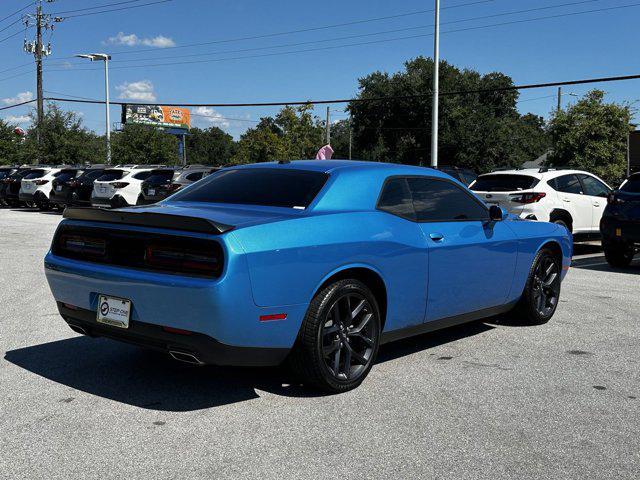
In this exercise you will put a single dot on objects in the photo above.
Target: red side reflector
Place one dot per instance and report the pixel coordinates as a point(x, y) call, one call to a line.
point(71, 307)
point(271, 318)
point(566, 267)
point(177, 331)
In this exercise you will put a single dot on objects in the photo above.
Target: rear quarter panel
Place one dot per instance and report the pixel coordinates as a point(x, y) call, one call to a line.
point(289, 260)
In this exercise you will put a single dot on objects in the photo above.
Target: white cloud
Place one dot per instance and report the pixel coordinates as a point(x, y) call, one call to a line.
point(19, 98)
point(132, 40)
point(141, 90)
point(17, 120)
point(209, 116)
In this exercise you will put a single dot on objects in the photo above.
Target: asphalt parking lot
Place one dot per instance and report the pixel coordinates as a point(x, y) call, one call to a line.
point(485, 400)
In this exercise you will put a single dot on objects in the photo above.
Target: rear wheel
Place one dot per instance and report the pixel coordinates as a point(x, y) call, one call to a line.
point(542, 291)
point(561, 222)
point(339, 338)
point(618, 254)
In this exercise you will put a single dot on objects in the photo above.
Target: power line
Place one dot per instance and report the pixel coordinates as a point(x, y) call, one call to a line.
point(17, 12)
point(372, 42)
point(371, 99)
point(17, 105)
point(310, 29)
point(104, 5)
point(364, 34)
point(117, 9)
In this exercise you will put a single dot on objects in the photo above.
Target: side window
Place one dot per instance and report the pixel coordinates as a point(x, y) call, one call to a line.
point(396, 199)
point(194, 176)
point(566, 184)
point(142, 175)
point(438, 200)
point(593, 186)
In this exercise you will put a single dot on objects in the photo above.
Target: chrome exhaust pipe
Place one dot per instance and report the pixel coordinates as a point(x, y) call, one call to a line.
point(78, 329)
point(185, 357)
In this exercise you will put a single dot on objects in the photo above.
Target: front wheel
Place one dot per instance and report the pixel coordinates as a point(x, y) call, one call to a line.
point(618, 254)
point(542, 290)
point(339, 337)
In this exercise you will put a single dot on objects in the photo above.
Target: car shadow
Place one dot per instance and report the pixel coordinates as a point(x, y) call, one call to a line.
point(151, 380)
point(601, 265)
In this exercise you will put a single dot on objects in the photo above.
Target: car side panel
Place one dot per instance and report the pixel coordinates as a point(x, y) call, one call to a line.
point(289, 260)
point(532, 236)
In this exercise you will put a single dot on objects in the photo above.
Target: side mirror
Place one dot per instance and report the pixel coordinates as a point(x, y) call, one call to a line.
point(496, 213)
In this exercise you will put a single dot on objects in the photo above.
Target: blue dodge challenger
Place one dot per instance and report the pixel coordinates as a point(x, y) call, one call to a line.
point(314, 262)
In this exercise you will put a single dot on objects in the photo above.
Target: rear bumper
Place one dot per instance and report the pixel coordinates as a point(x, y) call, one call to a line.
point(629, 230)
point(26, 197)
point(202, 347)
point(103, 202)
point(142, 200)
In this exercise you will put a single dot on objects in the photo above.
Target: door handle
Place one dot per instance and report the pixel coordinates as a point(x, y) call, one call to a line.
point(566, 200)
point(596, 204)
point(436, 237)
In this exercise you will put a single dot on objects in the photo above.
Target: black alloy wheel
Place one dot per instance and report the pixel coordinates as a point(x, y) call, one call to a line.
point(542, 290)
point(348, 337)
point(339, 337)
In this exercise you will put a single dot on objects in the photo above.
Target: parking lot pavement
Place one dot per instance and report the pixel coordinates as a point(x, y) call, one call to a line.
point(486, 400)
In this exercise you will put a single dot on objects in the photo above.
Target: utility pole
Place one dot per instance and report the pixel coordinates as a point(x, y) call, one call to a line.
point(328, 139)
point(559, 99)
point(350, 137)
point(39, 62)
point(436, 87)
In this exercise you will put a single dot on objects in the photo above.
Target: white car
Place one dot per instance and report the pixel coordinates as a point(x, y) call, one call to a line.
point(120, 186)
point(35, 187)
point(571, 198)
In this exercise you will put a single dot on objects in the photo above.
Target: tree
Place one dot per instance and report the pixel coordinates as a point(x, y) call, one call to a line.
point(141, 144)
point(591, 135)
point(293, 134)
point(63, 140)
point(9, 144)
point(211, 146)
point(482, 130)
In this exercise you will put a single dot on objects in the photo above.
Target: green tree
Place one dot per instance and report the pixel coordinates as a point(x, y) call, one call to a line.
point(293, 134)
point(591, 135)
point(10, 144)
point(141, 144)
point(211, 146)
point(477, 130)
point(63, 140)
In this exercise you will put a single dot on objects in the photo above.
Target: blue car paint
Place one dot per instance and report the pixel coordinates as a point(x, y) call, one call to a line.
point(277, 258)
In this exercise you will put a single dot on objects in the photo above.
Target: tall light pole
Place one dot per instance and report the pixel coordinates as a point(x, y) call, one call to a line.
point(105, 58)
point(436, 87)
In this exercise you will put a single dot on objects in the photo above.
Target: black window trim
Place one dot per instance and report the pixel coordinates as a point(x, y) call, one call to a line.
point(585, 174)
point(431, 177)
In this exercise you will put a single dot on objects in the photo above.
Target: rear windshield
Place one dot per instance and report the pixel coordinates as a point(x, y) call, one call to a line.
point(34, 174)
point(257, 186)
point(5, 173)
point(110, 175)
point(632, 185)
point(65, 175)
point(91, 174)
point(160, 176)
point(503, 183)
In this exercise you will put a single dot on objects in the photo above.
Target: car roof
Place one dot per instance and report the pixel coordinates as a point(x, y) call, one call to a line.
point(535, 172)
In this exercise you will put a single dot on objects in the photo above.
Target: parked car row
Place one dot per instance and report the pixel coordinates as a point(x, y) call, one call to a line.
point(577, 200)
point(46, 187)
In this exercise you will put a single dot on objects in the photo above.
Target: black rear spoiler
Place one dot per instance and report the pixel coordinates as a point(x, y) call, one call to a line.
point(147, 219)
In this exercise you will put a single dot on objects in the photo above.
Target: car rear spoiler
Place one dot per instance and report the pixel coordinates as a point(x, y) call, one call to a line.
point(147, 219)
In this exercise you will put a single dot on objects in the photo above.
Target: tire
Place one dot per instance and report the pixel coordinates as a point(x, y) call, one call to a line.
point(618, 254)
point(339, 338)
point(559, 221)
point(542, 290)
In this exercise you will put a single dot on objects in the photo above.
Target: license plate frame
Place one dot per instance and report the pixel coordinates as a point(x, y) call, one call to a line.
point(114, 311)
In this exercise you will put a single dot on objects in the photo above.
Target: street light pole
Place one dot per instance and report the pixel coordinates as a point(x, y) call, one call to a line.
point(105, 58)
point(436, 87)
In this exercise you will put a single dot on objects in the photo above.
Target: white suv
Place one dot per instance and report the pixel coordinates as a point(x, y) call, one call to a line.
point(35, 187)
point(120, 186)
point(571, 198)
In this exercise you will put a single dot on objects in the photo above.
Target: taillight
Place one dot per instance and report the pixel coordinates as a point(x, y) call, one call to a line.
point(182, 259)
point(119, 184)
point(72, 183)
point(82, 245)
point(6, 180)
point(173, 187)
point(41, 182)
point(531, 197)
point(613, 200)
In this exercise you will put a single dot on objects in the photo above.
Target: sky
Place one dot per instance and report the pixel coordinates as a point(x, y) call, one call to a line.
point(154, 59)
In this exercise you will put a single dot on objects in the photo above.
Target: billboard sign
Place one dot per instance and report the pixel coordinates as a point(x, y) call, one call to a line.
point(157, 116)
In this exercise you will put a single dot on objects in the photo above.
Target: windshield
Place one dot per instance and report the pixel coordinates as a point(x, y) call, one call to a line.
point(257, 186)
point(501, 182)
point(632, 185)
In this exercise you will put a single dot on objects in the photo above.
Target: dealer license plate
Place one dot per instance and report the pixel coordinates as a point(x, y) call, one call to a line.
point(114, 311)
point(59, 188)
point(152, 192)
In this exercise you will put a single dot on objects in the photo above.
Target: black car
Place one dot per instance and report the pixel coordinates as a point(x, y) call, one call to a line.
point(463, 175)
point(10, 187)
point(73, 187)
point(620, 223)
point(5, 172)
point(158, 186)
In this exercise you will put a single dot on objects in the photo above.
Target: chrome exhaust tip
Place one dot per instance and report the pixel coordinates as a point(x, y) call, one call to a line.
point(78, 329)
point(185, 357)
